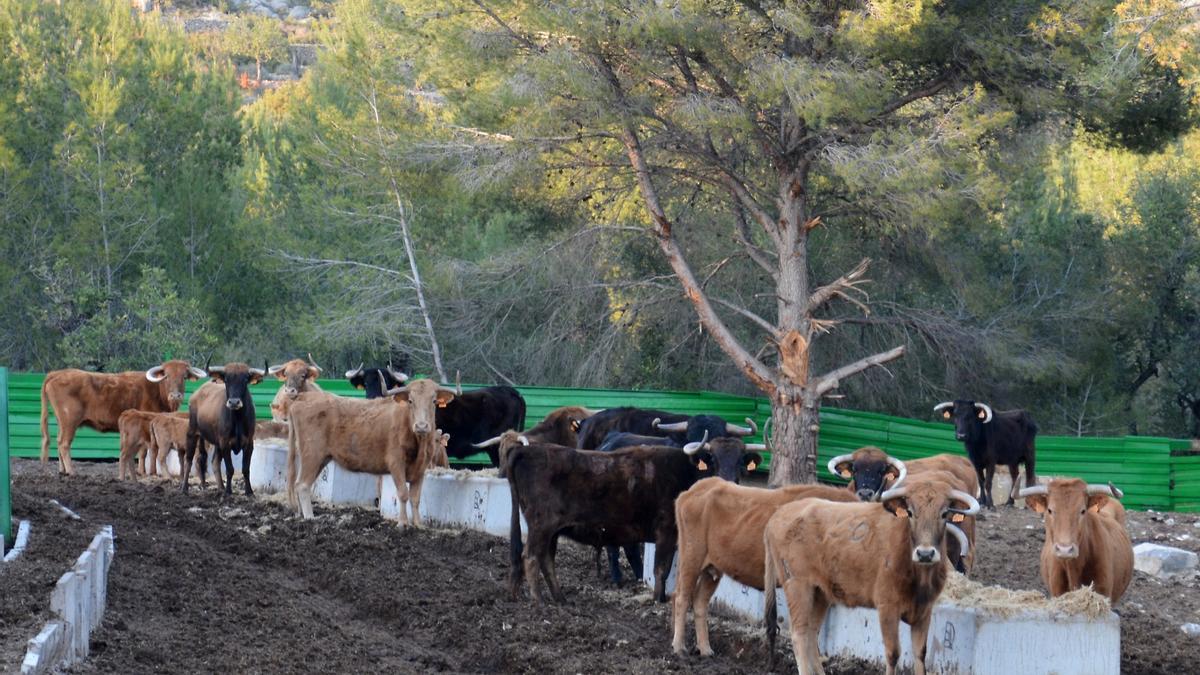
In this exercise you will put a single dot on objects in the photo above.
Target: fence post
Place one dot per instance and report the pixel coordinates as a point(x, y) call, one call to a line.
point(5, 479)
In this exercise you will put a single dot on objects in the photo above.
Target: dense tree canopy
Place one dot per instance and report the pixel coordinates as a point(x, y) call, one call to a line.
point(1022, 177)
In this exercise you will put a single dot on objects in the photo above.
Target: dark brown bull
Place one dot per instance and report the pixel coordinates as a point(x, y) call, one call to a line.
point(560, 427)
point(221, 413)
point(888, 555)
point(96, 400)
point(595, 498)
point(721, 534)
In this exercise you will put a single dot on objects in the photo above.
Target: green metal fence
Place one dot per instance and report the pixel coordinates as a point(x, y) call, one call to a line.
point(1153, 472)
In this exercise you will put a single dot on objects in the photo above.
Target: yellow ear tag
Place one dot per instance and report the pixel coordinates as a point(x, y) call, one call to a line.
point(701, 465)
point(1094, 508)
point(902, 512)
point(982, 415)
point(442, 404)
point(358, 386)
point(845, 473)
point(957, 518)
point(750, 467)
point(574, 425)
point(946, 414)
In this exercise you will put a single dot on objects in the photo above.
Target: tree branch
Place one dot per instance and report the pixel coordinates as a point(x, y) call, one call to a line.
point(530, 44)
point(841, 287)
point(832, 379)
point(742, 232)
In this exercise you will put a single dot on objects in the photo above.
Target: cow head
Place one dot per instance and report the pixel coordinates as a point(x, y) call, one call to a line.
point(296, 375)
point(870, 471)
point(968, 416)
point(507, 441)
point(700, 427)
point(424, 397)
point(237, 378)
point(727, 458)
point(931, 507)
point(375, 381)
point(1064, 503)
point(171, 377)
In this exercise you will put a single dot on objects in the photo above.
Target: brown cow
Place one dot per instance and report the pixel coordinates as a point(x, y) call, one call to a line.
point(1086, 539)
point(441, 458)
point(560, 427)
point(720, 533)
point(298, 376)
point(391, 435)
point(137, 443)
point(887, 555)
point(869, 469)
point(96, 400)
point(167, 433)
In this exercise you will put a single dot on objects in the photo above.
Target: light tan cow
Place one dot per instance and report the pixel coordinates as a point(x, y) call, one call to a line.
point(720, 528)
point(1086, 538)
point(393, 435)
point(889, 555)
point(298, 376)
point(167, 433)
point(96, 400)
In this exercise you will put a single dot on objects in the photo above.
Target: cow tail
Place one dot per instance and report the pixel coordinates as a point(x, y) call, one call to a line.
point(770, 611)
point(290, 480)
point(45, 425)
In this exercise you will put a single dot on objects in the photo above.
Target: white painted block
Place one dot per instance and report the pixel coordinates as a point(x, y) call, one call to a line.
point(45, 649)
point(338, 486)
point(460, 498)
point(268, 466)
point(961, 639)
point(64, 601)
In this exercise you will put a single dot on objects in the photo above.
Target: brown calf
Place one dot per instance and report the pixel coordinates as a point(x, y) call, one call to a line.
point(391, 435)
point(137, 443)
point(870, 468)
point(720, 533)
point(888, 555)
point(96, 400)
point(298, 376)
point(1086, 539)
point(167, 433)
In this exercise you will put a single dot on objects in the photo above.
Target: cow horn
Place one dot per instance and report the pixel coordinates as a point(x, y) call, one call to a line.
point(495, 440)
point(196, 372)
point(986, 409)
point(963, 545)
point(458, 383)
point(756, 446)
point(899, 467)
point(314, 363)
point(524, 439)
point(832, 466)
point(695, 446)
point(767, 432)
point(355, 371)
point(893, 493)
point(448, 390)
point(942, 406)
point(156, 374)
point(261, 372)
point(972, 505)
point(1033, 490)
point(735, 429)
point(274, 369)
point(1110, 490)
point(589, 412)
point(220, 370)
point(399, 375)
point(396, 390)
point(674, 426)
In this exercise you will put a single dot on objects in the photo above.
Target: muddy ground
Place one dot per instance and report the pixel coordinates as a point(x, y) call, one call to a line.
point(201, 584)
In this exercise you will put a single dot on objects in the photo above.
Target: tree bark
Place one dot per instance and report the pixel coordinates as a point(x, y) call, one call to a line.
point(794, 431)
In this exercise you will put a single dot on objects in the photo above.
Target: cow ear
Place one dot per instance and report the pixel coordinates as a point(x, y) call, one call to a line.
point(255, 378)
point(845, 469)
point(575, 425)
point(1036, 502)
point(217, 377)
point(751, 460)
point(1096, 502)
point(399, 396)
point(897, 507)
point(313, 372)
point(443, 399)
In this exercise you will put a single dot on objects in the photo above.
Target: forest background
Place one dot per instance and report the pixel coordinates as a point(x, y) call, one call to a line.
point(1031, 220)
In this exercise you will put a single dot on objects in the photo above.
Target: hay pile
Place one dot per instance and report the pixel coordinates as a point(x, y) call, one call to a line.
point(1004, 602)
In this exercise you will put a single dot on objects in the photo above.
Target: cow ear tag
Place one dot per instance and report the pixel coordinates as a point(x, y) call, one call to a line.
point(946, 414)
point(358, 386)
point(1094, 508)
point(750, 466)
point(901, 511)
point(957, 518)
point(982, 415)
point(442, 404)
point(701, 465)
point(845, 473)
point(574, 425)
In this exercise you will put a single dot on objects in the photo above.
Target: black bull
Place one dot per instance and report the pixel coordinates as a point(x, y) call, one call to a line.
point(679, 428)
point(479, 415)
point(598, 499)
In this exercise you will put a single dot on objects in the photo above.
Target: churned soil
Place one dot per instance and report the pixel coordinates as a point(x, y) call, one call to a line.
point(205, 584)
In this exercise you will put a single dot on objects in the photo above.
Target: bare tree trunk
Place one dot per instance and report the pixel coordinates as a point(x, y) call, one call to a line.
point(794, 428)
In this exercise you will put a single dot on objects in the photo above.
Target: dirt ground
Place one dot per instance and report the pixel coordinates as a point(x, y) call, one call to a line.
point(201, 584)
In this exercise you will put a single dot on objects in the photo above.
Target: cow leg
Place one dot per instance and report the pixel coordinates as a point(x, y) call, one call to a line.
point(990, 473)
point(202, 463)
point(414, 489)
point(920, 642)
point(804, 619)
point(66, 435)
point(889, 626)
point(536, 545)
point(704, 591)
point(247, 453)
point(633, 554)
point(401, 482)
point(227, 455)
point(614, 564)
point(664, 555)
point(1030, 476)
point(599, 570)
point(686, 580)
point(185, 465)
point(1014, 472)
point(310, 468)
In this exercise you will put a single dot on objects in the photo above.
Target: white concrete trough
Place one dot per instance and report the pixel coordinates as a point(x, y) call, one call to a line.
point(460, 498)
point(1035, 636)
point(335, 485)
point(77, 604)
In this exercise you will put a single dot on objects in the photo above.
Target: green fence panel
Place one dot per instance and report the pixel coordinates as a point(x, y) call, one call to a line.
point(1154, 472)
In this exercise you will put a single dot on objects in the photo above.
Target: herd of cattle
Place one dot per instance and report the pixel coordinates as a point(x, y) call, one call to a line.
point(623, 476)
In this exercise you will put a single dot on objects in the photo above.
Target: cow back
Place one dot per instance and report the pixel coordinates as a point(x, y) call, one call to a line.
point(627, 419)
point(98, 399)
point(358, 434)
point(479, 415)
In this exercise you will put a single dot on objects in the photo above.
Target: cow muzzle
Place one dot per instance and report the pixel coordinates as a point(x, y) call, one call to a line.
point(175, 396)
point(1066, 551)
point(925, 555)
point(421, 427)
point(291, 391)
point(865, 495)
point(234, 404)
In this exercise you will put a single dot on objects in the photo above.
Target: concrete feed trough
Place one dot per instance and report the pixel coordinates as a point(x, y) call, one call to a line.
point(975, 629)
point(460, 498)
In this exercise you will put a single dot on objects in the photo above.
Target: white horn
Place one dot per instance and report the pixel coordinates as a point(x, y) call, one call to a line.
point(197, 372)
point(835, 461)
point(756, 446)
point(488, 443)
point(695, 446)
point(942, 406)
point(274, 369)
point(355, 371)
point(963, 545)
point(156, 374)
point(899, 467)
point(893, 493)
point(986, 409)
point(1033, 490)
point(731, 428)
point(524, 439)
point(589, 412)
point(675, 426)
point(972, 505)
point(400, 376)
point(1110, 490)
